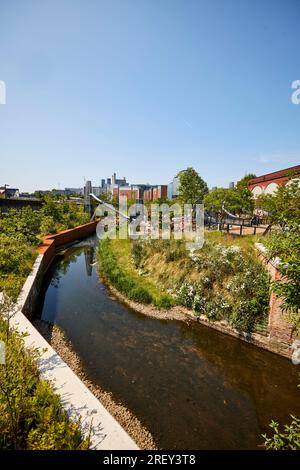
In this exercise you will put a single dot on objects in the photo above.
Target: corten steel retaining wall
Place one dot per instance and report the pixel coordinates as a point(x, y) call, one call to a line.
point(52, 242)
point(47, 250)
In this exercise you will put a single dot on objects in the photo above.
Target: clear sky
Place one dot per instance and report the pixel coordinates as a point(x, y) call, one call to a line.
point(146, 88)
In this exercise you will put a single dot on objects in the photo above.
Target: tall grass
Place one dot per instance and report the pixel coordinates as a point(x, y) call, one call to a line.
point(117, 265)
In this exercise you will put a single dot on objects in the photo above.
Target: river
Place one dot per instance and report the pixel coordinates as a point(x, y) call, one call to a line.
point(191, 386)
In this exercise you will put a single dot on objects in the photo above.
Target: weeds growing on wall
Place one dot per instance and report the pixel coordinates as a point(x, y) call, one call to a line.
point(285, 244)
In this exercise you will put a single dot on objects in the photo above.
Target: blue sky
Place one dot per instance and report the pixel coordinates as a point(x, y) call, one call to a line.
point(146, 88)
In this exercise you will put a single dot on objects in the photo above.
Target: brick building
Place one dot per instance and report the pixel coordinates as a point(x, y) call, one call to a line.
point(148, 195)
point(156, 192)
point(268, 184)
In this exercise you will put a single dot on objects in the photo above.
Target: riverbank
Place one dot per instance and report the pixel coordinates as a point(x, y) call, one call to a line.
point(182, 313)
point(57, 339)
point(186, 383)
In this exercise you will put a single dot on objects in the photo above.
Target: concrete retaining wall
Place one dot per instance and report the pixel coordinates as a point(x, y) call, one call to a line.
point(76, 398)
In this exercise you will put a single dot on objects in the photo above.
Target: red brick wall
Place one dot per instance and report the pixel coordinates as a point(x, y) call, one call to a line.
point(279, 328)
point(133, 194)
point(279, 177)
point(148, 195)
point(159, 191)
point(155, 194)
point(163, 190)
point(264, 184)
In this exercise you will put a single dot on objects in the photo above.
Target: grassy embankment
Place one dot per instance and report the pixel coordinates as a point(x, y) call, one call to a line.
point(117, 265)
point(224, 280)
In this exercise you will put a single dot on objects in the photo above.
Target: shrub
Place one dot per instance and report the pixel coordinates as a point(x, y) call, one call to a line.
point(137, 251)
point(15, 256)
point(287, 438)
point(20, 233)
point(31, 416)
point(141, 295)
point(199, 304)
point(175, 250)
point(164, 302)
point(48, 225)
point(185, 294)
point(232, 285)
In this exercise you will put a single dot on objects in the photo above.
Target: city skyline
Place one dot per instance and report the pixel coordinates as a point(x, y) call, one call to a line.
point(148, 89)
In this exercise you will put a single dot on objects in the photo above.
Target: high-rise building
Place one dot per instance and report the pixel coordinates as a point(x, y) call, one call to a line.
point(97, 190)
point(172, 191)
point(87, 197)
point(117, 181)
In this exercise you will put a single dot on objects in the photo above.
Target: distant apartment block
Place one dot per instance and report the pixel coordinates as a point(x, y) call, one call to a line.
point(141, 188)
point(148, 195)
point(97, 190)
point(128, 192)
point(118, 181)
point(156, 192)
point(74, 191)
point(173, 190)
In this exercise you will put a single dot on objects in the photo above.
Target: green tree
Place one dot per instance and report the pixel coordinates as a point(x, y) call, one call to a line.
point(213, 201)
point(243, 183)
point(283, 206)
point(192, 188)
point(237, 201)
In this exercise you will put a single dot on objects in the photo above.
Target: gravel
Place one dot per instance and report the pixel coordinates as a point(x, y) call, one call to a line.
point(55, 336)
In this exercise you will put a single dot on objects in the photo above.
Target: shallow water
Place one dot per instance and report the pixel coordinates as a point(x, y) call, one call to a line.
point(191, 386)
